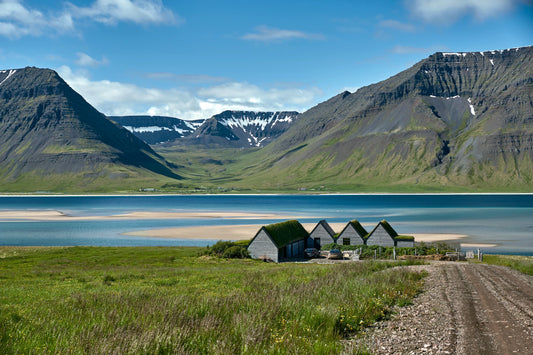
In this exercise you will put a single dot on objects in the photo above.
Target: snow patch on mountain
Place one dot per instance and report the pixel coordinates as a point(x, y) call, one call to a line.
point(9, 74)
point(472, 110)
point(249, 128)
point(257, 128)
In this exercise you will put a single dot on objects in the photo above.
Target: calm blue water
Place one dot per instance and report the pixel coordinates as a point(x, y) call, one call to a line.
point(506, 220)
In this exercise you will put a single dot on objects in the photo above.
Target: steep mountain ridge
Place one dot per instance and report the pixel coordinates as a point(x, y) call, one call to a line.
point(49, 131)
point(240, 129)
point(157, 129)
point(452, 119)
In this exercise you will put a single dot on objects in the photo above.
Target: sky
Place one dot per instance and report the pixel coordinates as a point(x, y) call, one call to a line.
point(193, 59)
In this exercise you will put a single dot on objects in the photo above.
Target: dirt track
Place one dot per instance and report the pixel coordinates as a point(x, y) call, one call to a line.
point(465, 309)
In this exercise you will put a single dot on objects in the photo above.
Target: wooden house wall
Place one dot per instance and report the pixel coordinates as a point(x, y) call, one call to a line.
point(380, 237)
point(350, 232)
point(263, 247)
point(325, 237)
point(405, 243)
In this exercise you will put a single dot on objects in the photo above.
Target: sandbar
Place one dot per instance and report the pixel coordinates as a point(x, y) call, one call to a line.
point(478, 245)
point(248, 231)
point(436, 237)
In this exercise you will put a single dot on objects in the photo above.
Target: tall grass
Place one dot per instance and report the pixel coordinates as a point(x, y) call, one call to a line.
point(163, 300)
point(521, 263)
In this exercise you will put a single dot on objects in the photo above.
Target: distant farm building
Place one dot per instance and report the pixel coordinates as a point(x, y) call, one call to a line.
point(353, 234)
point(279, 241)
point(384, 235)
point(287, 240)
point(322, 234)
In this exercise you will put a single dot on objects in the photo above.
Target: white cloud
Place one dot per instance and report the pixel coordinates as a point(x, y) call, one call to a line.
point(138, 11)
point(450, 10)
point(397, 25)
point(267, 34)
point(85, 60)
point(252, 96)
point(18, 20)
point(115, 98)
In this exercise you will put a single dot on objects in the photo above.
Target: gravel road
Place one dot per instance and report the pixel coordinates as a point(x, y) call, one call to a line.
point(465, 308)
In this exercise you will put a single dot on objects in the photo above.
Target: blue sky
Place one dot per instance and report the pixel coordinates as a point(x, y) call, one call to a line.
point(193, 59)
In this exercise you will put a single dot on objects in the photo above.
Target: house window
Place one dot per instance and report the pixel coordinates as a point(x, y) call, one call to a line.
point(317, 243)
point(345, 241)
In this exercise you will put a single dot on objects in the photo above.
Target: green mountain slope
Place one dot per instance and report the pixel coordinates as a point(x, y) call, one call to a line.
point(452, 121)
point(52, 139)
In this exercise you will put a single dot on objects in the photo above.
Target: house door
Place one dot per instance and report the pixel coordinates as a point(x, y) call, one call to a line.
point(317, 243)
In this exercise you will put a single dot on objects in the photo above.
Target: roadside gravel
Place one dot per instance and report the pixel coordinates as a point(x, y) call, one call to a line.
point(464, 309)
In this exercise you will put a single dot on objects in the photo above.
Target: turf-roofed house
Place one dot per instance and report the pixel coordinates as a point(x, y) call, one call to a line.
point(279, 241)
point(322, 234)
point(384, 235)
point(353, 234)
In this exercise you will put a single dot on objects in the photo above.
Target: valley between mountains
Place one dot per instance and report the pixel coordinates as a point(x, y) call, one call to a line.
point(453, 122)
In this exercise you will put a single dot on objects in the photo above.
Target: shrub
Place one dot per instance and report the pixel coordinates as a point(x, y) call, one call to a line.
point(229, 250)
point(236, 252)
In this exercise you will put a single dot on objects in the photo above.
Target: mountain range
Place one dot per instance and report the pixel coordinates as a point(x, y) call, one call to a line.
point(51, 138)
point(453, 119)
point(451, 122)
point(229, 129)
point(241, 129)
point(157, 129)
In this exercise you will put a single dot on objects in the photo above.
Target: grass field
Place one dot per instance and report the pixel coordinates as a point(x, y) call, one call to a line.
point(168, 300)
point(521, 263)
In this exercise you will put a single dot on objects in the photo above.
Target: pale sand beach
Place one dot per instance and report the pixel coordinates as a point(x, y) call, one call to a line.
point(248, 231)
point(226, 232)
point(435, 237)
point(478, 245)
point(60, 216)
point(230, 232)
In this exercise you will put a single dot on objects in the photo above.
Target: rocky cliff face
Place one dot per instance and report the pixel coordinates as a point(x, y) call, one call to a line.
point(242, 129)
point(157, 129)
point(452, 119)
point(47, 129)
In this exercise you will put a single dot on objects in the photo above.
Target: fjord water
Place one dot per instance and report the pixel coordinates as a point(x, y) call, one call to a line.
point(502, 219)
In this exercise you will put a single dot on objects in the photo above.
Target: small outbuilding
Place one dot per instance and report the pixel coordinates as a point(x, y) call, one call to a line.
point(321, 235)
point(384, 235)
point(353, 234)
point(405, 241)
point(279, 241)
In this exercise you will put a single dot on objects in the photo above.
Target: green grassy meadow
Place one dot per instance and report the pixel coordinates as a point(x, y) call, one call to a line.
point(168, 300)
point(253, 171)
point(521, 263)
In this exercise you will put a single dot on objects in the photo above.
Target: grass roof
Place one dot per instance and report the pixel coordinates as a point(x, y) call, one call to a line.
point(389, 228)
point(405, 237)
point(284, 233)
point(359, 228)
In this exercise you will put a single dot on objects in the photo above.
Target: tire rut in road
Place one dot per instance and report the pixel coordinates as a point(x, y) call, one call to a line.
point(472, 335)
point(466, 308)
point(506, 331)
point(515, 296)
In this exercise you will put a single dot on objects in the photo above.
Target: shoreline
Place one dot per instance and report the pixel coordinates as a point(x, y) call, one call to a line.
point(215, 233)
point(248, 231)
point(54, 215)
point(268, 194)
